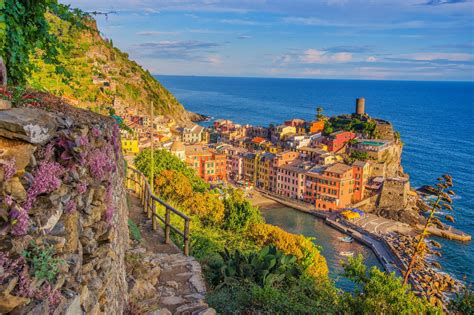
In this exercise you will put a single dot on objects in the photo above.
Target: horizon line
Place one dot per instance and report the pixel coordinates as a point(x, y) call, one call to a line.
point(300, 78)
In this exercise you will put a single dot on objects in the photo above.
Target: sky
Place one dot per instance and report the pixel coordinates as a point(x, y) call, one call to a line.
point(329, 39)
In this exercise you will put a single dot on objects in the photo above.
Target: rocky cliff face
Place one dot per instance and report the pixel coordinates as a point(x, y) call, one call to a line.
point(63, 210)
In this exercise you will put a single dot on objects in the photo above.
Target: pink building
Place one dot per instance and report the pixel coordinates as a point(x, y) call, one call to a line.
point(291, 179)
point(234, 163)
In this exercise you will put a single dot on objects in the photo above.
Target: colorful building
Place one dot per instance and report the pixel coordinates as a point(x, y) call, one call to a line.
point(234, 162)
point(130, 146)
point(316, 126)
point(208, 164)
point(337, 141)
point(361, 170)
point(178, 149)
point(330, 187)
point(291, 179)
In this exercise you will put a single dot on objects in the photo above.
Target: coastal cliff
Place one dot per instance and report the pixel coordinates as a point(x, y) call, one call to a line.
point(63, 210)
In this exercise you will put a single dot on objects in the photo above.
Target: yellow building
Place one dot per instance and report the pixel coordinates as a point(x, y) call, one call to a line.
point(265, 171)
point(130, 146)
point(284, 130)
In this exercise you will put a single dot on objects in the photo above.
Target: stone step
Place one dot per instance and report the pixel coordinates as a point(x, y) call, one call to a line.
point(188, 309)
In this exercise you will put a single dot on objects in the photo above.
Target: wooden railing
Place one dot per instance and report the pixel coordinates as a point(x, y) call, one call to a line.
point(137, 182)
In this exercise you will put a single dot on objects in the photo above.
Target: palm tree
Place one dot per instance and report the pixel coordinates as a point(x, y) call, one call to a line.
point(443, 201)
point(319, 113)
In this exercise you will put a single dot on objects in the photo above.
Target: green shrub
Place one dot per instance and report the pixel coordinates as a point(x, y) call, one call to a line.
point(267, 267)
point(41, 259)
point(298, 297)
point(463, 303)
point(134, 231)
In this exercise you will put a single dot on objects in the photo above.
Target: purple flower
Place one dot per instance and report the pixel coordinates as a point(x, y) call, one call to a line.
point(116, 140)
point(20, 221)
point(96, 132)
point(47, 152)
point(9, 169)
point(100, 164)
point(81, 188)
point(8, 200)
point(83, 141)
point(46, 180)
point(70, 206)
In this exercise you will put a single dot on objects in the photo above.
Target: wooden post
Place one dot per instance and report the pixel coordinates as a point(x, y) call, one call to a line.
point(186, 237)
point(167, 225)
point(154, 221)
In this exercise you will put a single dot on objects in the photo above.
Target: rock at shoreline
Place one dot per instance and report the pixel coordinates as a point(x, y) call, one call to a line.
point(195, 117)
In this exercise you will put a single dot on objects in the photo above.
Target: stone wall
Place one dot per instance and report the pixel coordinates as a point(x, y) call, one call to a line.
point(62, 192)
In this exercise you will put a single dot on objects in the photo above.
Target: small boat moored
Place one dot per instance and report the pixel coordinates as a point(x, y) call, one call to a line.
point(348, 254)
point(346, 239)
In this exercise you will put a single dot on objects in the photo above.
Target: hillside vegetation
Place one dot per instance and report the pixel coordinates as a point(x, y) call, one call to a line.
point(95, 73)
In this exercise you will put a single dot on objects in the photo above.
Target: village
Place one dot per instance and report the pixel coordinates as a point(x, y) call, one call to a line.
point(297, 160)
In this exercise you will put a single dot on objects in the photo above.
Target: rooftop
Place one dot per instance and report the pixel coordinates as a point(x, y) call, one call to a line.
point(338, 168)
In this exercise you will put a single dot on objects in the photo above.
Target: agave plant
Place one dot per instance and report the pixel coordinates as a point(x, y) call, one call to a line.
point(266, 267)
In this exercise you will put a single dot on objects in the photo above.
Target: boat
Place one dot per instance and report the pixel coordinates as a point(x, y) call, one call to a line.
point(346, 239)
point(348, 254)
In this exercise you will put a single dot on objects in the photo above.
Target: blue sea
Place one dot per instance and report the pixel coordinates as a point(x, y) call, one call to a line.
point(435, 120)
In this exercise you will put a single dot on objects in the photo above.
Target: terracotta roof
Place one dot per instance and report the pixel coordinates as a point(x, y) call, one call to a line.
point(338, 168)
point(258, 140)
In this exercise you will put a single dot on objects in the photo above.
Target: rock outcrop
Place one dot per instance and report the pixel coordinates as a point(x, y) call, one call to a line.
point(63, 211)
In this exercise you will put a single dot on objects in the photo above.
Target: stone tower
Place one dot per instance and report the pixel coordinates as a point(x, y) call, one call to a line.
point(360, 106)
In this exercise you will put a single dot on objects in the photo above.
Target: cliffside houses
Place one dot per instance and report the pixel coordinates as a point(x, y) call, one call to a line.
point(292, 160)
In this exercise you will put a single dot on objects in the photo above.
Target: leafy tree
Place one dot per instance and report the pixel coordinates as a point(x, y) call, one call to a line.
point(24, 31)
point(378, 292)
point(239, 212)
point(207, 206)
point(358, 155)
point(164, 160)
point(173, 186)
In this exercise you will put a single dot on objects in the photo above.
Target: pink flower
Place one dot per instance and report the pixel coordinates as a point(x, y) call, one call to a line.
point(96, 132)
point(9, 169)
point(100, 164)
point(81, 188)
point(20, 221)
point(70, 206)
point(45, 180)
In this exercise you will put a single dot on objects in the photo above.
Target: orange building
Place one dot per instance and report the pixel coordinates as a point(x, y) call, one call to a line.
point(331, 187)
point(316, 126)
point(208, 164)
point(360, 174)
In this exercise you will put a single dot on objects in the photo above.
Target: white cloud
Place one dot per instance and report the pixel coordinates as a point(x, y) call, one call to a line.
point(214, 60)
point(371, 59)
point(320, 56)
point(439, 56)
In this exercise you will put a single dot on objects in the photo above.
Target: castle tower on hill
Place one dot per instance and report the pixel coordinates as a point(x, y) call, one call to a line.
point(360, 106)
